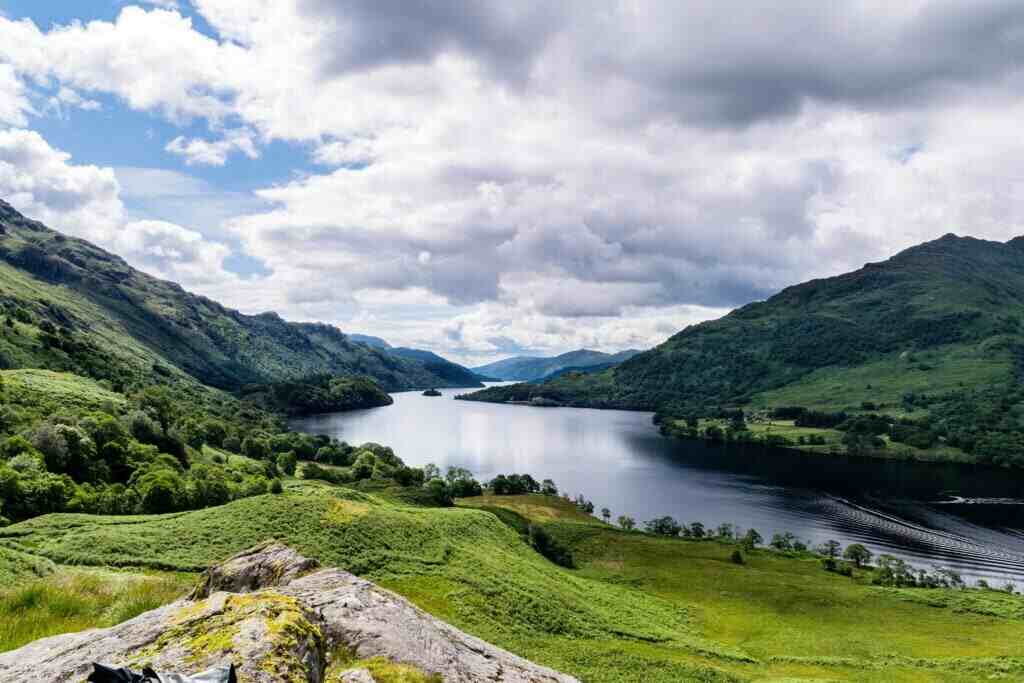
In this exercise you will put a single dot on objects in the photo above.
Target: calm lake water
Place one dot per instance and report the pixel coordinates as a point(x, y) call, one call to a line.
point(968, 519)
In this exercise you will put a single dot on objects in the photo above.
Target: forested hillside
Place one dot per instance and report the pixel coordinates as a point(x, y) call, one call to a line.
point(72, 306)
point(931, 337)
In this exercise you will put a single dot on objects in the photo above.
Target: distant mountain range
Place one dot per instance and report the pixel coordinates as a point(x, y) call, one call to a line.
point(85, 310)
point(533, 368)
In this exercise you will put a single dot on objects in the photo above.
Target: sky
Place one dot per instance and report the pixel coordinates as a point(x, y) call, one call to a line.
point(491, 178)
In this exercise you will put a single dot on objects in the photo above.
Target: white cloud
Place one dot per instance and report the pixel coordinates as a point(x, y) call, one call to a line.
point(543, 176)
point(14, 103)
point(85, 201)
point(41, 182)
point(213, 153)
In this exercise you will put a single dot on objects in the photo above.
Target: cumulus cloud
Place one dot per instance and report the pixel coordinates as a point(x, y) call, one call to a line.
point(215, 152)
point(85, 201)
point(41, 182)
point(540, 176)
point(14, 103)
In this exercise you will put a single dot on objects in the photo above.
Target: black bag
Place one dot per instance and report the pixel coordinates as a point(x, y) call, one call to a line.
point(105, 674)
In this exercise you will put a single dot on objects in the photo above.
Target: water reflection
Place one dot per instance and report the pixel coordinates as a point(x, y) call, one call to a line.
point(957, 516)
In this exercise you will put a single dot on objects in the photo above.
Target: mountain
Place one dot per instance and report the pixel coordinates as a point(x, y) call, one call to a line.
point(74, 307)
point(533, 368)
point(375, 342)
point(931, 338)
point(453, 373)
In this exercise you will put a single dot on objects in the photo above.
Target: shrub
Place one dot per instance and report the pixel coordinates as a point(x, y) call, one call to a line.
point(276, 486)
point(737, 557)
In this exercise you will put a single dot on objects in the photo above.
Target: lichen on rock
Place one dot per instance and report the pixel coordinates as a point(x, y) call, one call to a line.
point(279, 626)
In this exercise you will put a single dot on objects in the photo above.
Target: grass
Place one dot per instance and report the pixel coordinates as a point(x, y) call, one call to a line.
point(639, 608)
point(44, 392)
point(380, 669)
point(73, 599)
point(16, 567)
point(534, 507)
point(885, 381)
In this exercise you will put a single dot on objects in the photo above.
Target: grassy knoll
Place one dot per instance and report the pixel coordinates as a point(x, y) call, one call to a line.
point(639, 608)
point(72, 599)
point(534, 507)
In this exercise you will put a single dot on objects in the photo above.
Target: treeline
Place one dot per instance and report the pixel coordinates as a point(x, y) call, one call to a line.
point(987, 424)
point(143, 457)
point(317, 394)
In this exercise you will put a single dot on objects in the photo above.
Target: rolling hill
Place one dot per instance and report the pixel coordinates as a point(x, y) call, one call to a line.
point(533, 368)
point(75, 307)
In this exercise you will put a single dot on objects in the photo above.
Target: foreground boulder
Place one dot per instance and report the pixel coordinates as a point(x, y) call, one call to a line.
point(278, 618)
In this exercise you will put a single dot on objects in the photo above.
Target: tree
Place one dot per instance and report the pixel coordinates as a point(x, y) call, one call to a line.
point(830, 549)
point(725, 531)
point(160, 490)
point(548, 488)
point(662, 526)
point(215, 432)
point(362, 466)
point(286, 462)
point(858, 554)
point(438, 492)
point(461, 483)
point(256, 447)
point(751, 539)
point(697, 530)
point(782, 541)
point(627, 523)
point(606, 515)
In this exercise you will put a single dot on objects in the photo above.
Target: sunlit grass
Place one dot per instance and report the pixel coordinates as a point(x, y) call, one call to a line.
point(76, 599)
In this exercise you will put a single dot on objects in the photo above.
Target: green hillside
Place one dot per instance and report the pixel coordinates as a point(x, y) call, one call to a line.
point(931, 337)
point(637, 608)
point(73, 307)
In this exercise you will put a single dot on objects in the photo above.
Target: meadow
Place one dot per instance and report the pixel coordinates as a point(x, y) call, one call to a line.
point(637, 608)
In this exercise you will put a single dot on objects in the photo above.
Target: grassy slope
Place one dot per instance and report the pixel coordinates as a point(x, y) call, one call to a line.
point(884, 381)
point(72, 599)
point(639, 608)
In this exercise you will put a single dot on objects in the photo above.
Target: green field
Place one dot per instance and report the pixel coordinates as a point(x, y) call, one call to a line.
point(638, 608)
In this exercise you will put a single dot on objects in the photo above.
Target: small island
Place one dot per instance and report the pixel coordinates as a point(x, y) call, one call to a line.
point(431, 392)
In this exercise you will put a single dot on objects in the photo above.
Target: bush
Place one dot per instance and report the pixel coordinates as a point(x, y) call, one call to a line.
point(286, 462)
point(737, 557)
point(276, 486)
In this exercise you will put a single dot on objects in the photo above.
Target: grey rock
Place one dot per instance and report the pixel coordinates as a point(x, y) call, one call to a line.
point(357, 676)
point(280, 628)
point(266, 565)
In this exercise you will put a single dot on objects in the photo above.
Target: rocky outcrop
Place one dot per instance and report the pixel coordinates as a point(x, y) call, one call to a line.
point(278, 618)
point(265, 566)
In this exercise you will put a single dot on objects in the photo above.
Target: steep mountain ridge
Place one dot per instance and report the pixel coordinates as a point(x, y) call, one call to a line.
point(85, 310)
